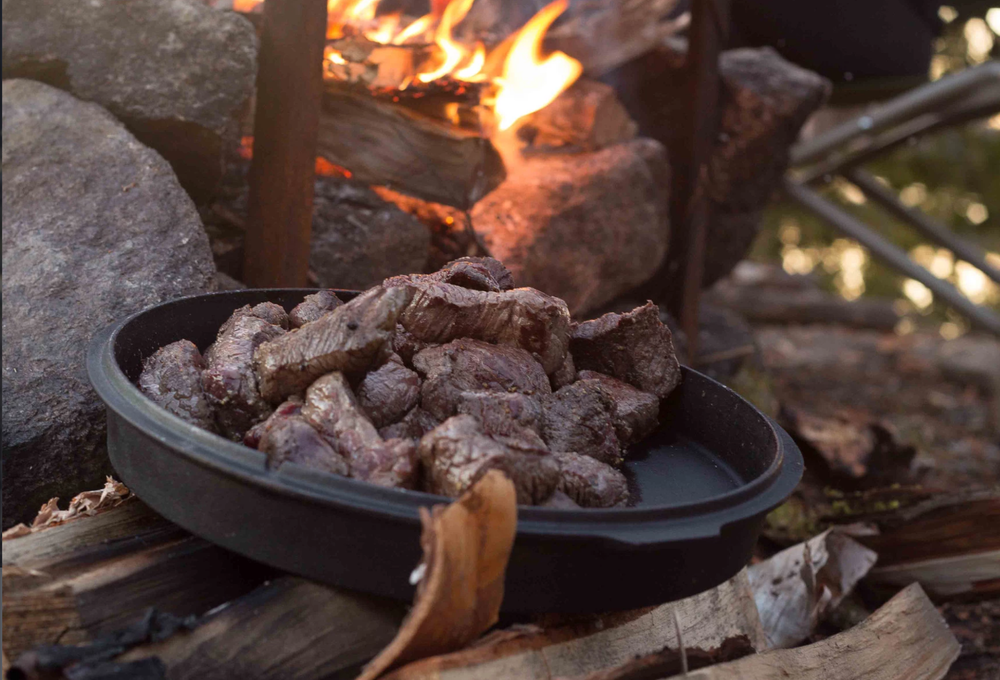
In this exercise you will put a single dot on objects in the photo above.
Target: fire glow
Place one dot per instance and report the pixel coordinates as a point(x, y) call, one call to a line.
point(520, 79)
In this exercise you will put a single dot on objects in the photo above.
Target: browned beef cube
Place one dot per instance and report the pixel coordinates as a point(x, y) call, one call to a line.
point(229, 379)
point(477, 273)
point(333, 410)
point(171, 377)
point(291, 407)
point(591, 483)
point(458, 452)
point(414, 425)
point(347, 339)
point(389, 392)
point(502, 413)
point(475, 366)
point(635, 347)
point(565, 374)
point(291, 439)
point(523, 317)
point(313, 307)
point(560, 501)
point(266, 311)
point(406, 346)
point(578, 418)
point(635, 413)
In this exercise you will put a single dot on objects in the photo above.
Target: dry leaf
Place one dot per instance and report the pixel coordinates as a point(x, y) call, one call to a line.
point(83, 504)
point(466, 547)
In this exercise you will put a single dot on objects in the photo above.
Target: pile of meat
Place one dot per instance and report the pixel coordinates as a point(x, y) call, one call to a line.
point(428, 381)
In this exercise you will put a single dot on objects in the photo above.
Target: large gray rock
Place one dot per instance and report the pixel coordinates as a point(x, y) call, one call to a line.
point(177, 72)
point(583, 227)
point(95, 227)
point(358, 238)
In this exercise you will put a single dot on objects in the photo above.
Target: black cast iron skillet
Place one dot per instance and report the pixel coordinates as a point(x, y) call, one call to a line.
point(702, 485)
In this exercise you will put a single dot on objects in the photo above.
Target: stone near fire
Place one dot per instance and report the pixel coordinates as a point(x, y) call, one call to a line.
point(177, 72)
point(358, 239)
point(583, 227)
point(95, 227)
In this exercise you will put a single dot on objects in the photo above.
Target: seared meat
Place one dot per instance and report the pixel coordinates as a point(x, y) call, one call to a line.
point(347, 339)
point(267, 311)
point(560, 501)
point(388, 393)
point(635, 413)
point(502, 413)
point(523, 317)
point(291, 407)
point(474, 366)
point(477, 273)
point(171, 377)
point(291, 439)
point(565, 374)
point(229, 379)
point(414, 425)
point(406, 346)
point(313, 307)
point(634, 347)
point(591, 483)
point(458, 452)
point(332, 409)
point(578, 418)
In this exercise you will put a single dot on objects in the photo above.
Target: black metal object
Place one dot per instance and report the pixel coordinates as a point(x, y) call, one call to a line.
point(704, 483)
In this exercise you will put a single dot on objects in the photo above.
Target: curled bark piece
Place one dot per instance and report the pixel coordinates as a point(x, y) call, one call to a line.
point(466, 548)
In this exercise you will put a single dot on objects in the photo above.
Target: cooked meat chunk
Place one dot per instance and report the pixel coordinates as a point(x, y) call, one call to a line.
point(635, 413)
point(559, 501)
point(523, 317)
point(406, 346)
point(332, 409)
point(477, 273)
point(414, 425)
point(313, 307)
point(502, 413)
point(458, 452)
point(347, 339)
point(388, 393)
point(565, 374)
point(229, 379)
point(474, 366)
point(578, 418)
point(634, 347)
point(591, 483)
point(291, 439)
point(291, 407)
point(171, 377)
point(267, 311)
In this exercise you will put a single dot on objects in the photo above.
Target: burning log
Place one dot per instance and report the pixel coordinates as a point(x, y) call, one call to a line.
point(383, 143)
point(587, 116)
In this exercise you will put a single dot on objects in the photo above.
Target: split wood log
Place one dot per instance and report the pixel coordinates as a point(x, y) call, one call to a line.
point(586, 117)
point(591, 644)
point(71, 582)
point(906, 639)
point(382, 143)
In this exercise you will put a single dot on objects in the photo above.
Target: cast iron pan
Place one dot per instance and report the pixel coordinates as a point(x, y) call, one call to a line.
point(703, 485)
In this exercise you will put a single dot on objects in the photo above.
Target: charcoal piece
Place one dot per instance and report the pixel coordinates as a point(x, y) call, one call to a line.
point(414, 425)
point(458, 452)
point(474, 366)
point(332, 409)
point(560, 501)
point(291, 439)
point(389, 392)
point(171, 377)
point(634, 347)
point(229, 379)
point(523, 317)
point(635, 413)
point(290, 407)
point(406, 346)
point(313, 307)
point(502, 413)
point(578, 418)
point(565, 374)
point(591, 483)
point(267, 311)
point(477, 273)
point(348, 339)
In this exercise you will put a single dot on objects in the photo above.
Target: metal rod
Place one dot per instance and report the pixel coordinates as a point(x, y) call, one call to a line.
point(891, 254)
point(930, 228)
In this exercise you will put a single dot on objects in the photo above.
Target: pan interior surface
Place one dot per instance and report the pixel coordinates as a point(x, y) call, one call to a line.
point(666, 469)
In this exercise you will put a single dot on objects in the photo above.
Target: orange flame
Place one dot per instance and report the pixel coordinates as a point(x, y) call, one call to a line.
point(453, 52)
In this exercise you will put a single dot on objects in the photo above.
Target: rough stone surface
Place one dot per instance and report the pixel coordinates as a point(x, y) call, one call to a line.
point(95, 227)
point(582, 227)
point(764, 102)
point(177, 72)
point(359, 239)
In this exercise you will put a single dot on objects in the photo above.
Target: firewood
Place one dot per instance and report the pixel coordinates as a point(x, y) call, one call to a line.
point(71, 582)
point(382, 143)
point(591, 644)
point(905, 639)
point(587, 116)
